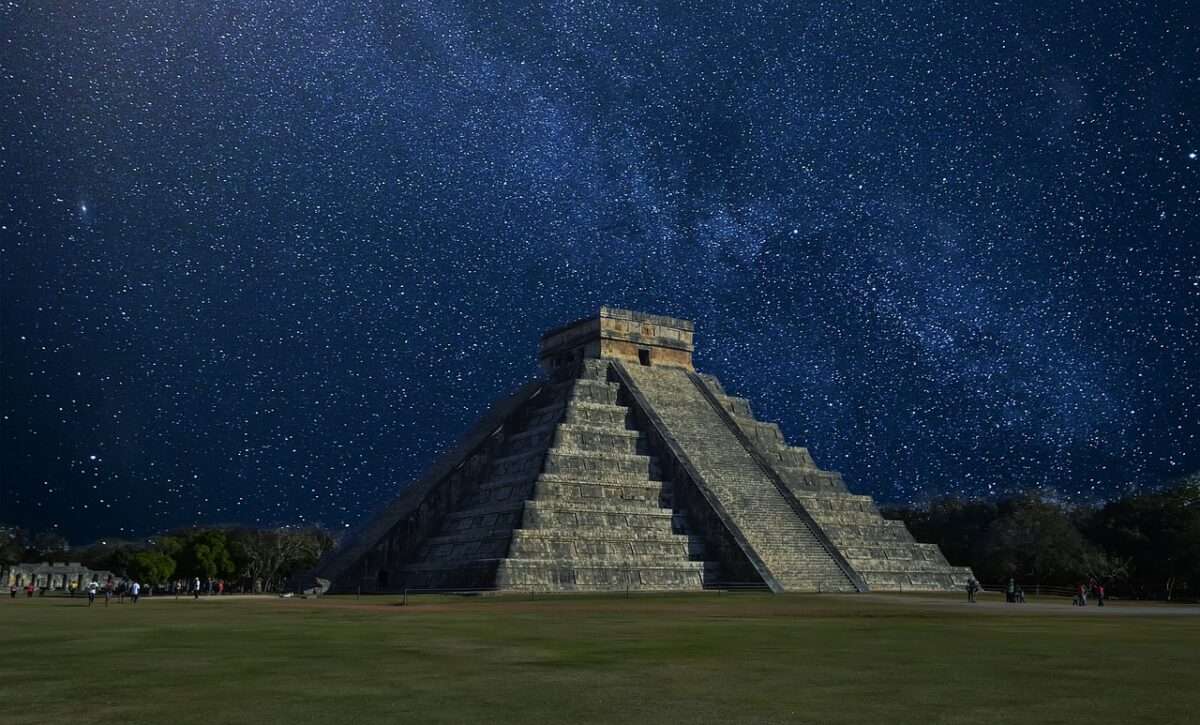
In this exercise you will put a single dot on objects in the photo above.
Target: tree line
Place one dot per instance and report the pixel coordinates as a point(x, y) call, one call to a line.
point(248, 559)
point(1144, 545)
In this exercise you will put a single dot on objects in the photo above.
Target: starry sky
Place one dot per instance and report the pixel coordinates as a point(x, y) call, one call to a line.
point(262, 260)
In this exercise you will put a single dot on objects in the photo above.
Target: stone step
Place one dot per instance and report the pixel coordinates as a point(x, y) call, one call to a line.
point(534, 439)
point(500, 491)
point(594, 369)
point(606, 505)
point(791, 457)
point(884, 581)
point(465, 546)
point(736, 406)
point(815, 503)
point(895, 552)
point(543, 515)
point(550, 414)
point(592, 465)
point(600, 533)
point(527, 462)
point(901, 566)
point(535, 544)
point(555, 488)
point(488, 517)
point(811, 480)
point(767, 436)
point(594, 391)
point(582, 413)
point(572, 436)
point(548, 575)
point(847, 518)
point(551, 486)
point(880, 534)
point(595, 414)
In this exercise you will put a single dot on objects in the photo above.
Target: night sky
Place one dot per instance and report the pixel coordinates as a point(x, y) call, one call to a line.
point(263, 260)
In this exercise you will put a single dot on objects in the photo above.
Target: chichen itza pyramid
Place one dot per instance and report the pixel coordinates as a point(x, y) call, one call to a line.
point(625, 469)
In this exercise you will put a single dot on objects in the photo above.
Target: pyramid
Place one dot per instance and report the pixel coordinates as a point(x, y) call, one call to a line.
point(625, 469)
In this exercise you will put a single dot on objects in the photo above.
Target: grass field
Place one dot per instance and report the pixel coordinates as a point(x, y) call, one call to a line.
point(671, 658)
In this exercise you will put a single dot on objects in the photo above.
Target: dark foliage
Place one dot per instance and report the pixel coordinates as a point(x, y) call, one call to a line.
point(1142, 545)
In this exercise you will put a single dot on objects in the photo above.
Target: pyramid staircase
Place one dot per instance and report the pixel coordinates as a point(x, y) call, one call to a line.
point(882, 551)
point(572, 501)
point(788, 544)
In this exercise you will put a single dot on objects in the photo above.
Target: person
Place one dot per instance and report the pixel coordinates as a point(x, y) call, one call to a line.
point(135, 590)
point(972, 588)
point(1080, 596)
point(29, 590)
point(1010, 594)
point(1020, 595)
point(220, 587)
point(91, 592)
point(12, 591)
point(196, 588)
point(1099, 595)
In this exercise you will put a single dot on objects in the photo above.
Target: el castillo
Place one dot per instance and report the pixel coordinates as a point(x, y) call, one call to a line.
point(625, 468)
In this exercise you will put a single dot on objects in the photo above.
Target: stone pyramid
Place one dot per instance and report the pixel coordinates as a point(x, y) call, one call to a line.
point(625, 469)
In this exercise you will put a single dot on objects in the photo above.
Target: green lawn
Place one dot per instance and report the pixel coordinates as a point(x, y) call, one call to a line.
point(687, 658)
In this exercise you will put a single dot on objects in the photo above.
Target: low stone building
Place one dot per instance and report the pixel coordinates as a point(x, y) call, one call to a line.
point(53, 575)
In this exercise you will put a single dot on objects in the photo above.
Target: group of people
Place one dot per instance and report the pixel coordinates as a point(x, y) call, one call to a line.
point(13, 589)
point(197, 587)
point(1092, 588)
point(1014, 594)
point(133, 589)
point(121, 589)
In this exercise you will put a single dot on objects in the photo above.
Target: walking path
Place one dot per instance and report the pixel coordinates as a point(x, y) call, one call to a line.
point(994, 603)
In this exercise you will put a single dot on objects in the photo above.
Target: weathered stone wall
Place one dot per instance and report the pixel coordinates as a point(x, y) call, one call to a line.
point(634, 337)
point(53, 575)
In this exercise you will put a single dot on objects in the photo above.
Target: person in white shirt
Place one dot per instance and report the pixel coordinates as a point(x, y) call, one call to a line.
point(135, 590)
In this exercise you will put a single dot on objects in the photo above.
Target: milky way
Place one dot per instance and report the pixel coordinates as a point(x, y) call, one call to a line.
point(263, 260)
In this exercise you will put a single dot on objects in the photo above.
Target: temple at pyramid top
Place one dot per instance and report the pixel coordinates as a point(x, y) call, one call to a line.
point(634, 337)
point(625, 468)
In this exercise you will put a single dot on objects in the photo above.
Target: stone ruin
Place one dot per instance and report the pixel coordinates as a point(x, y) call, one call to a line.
point(625, 469)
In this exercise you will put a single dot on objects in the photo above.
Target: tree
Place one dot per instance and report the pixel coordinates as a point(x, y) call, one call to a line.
point(12, 544)
point(1036, 538)
point(110, 555)
point(959, 527)
point(1158, 533)
point(267, 558)
point(152, 567)
point(50, 545)
point(204, 553)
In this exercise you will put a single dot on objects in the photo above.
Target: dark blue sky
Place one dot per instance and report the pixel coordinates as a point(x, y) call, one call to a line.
point(262, 260)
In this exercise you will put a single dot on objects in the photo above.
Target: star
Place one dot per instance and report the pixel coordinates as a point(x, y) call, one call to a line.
point(323, 256)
